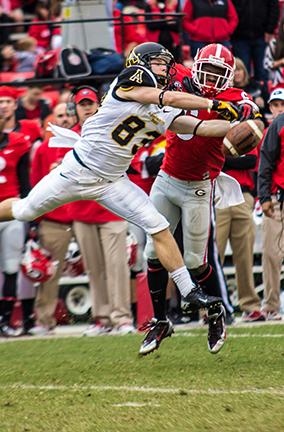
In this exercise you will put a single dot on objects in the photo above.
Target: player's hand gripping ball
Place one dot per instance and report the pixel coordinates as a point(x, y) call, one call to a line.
point(243, 138)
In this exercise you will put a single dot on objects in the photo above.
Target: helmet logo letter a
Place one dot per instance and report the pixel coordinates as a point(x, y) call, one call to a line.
point(137, 77)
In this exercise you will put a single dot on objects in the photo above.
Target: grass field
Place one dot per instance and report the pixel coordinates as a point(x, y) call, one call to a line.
point(101, 385)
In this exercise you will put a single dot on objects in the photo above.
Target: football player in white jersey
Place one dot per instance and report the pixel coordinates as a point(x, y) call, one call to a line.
point(136, 109)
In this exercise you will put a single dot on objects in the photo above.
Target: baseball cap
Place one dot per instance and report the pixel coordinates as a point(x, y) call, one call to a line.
point(86, 93)
point(277, 94)
point(8, 92)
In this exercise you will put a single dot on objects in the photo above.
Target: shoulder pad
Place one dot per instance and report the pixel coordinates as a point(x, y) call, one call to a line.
point(135, 76)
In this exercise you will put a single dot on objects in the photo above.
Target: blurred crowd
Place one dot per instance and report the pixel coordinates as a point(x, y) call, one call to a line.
point(254, 31)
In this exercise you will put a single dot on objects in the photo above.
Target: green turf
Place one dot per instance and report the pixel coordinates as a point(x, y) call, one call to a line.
point(248, 375)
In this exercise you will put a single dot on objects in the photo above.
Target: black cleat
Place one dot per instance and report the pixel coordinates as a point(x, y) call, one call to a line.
point(216, 328)
point(198, 299)
point(156, 332)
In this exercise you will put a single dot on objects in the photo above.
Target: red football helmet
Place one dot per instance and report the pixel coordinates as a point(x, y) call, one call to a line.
point(213, 69)
point(37, 263)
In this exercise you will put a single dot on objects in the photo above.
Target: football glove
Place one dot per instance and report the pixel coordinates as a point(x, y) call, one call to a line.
point(190, 87)
point(227, 110)
point(246, 112)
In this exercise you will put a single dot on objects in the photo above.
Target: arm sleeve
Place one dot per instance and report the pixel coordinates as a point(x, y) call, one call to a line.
point(269, 154)
point(232, 17)
point(240, 163)
point(23, 175)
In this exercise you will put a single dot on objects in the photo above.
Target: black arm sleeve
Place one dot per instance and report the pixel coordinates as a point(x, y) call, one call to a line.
point(240, 163)
point(269, 154)
point(23, 174)
point(153, 164)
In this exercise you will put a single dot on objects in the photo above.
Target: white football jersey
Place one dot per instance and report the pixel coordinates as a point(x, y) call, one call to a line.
point(112, 136)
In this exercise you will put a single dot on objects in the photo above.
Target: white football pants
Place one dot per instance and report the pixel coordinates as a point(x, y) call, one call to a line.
point(191, 202)
point(71, 181)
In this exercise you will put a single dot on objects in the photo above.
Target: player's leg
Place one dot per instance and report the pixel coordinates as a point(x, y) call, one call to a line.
point(11, 245)
point(196, 218)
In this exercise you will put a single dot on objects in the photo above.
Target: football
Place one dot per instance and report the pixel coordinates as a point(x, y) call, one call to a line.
point(243, 138)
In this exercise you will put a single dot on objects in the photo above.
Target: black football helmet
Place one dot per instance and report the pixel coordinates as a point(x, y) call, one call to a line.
point(142, 55)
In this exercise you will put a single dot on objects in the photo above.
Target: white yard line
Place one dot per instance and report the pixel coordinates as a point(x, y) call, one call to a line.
point(137, 389)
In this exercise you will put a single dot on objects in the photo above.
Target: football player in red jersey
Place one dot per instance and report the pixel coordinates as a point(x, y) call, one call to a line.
point(183, 190)
point(14, 179)
point(8, 106)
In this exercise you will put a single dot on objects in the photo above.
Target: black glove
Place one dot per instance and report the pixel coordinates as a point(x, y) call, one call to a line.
point(227, 110)
point(190, 87)
point(246, 112)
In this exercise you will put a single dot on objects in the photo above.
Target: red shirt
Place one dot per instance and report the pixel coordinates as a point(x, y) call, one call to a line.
point(196, 158)
point(43, 159)
point(30, 128)
point(43, 33)
point(10, 155)
point(89, 212)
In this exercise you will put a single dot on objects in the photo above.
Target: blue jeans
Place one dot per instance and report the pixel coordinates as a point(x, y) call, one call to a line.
point(251, 52)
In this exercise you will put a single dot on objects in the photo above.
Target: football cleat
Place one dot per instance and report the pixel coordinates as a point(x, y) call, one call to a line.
point(156, 332)
point(216, 328)
point(198, 299)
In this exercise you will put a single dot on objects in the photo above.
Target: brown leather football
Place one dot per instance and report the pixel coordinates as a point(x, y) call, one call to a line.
point(243, 138)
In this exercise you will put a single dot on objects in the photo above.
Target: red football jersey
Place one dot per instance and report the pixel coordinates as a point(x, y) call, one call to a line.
point(30, 128)
point(195, 158)
point(10, 155)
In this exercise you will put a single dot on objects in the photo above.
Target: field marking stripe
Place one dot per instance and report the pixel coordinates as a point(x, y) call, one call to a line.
point(179, 333)
point(210, 391)
point(232, 335)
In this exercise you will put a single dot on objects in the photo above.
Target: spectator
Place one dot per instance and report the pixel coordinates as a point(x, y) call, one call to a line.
point(48, 36)
point(8, 61)
point(257, 22)
point(209, 21)
point(270, 193)
point(129, 36)
point(274, 57)
point(54, 231)
point(236, 224)
point(165, 33)
point(6, 31)
point(254, 88)
point(26, 54)
point(102, 240)
point(14, 155)
point(32, 105)
point(8, 106)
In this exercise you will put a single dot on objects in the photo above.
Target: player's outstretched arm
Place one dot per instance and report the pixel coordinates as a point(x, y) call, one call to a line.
point(151, 95)
point(207, 128)
point(186, 101)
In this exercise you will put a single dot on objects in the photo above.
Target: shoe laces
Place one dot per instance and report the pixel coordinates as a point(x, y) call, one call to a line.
point(148, 325)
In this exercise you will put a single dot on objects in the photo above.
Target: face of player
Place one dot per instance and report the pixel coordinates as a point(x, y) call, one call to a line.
point(212, 74)
point(60, 116)
point(276, 107)
point(7, 107)
point(160, 68)
point(85, 109)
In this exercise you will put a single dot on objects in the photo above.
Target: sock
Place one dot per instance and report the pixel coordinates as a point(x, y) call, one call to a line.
point(7, 310)
point(182, 279)
point(209, 282)
point(157, 282)
point(28, 312)
point(134, 313)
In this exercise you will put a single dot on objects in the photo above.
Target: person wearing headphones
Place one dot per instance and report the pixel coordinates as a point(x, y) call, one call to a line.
point(101, 236)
